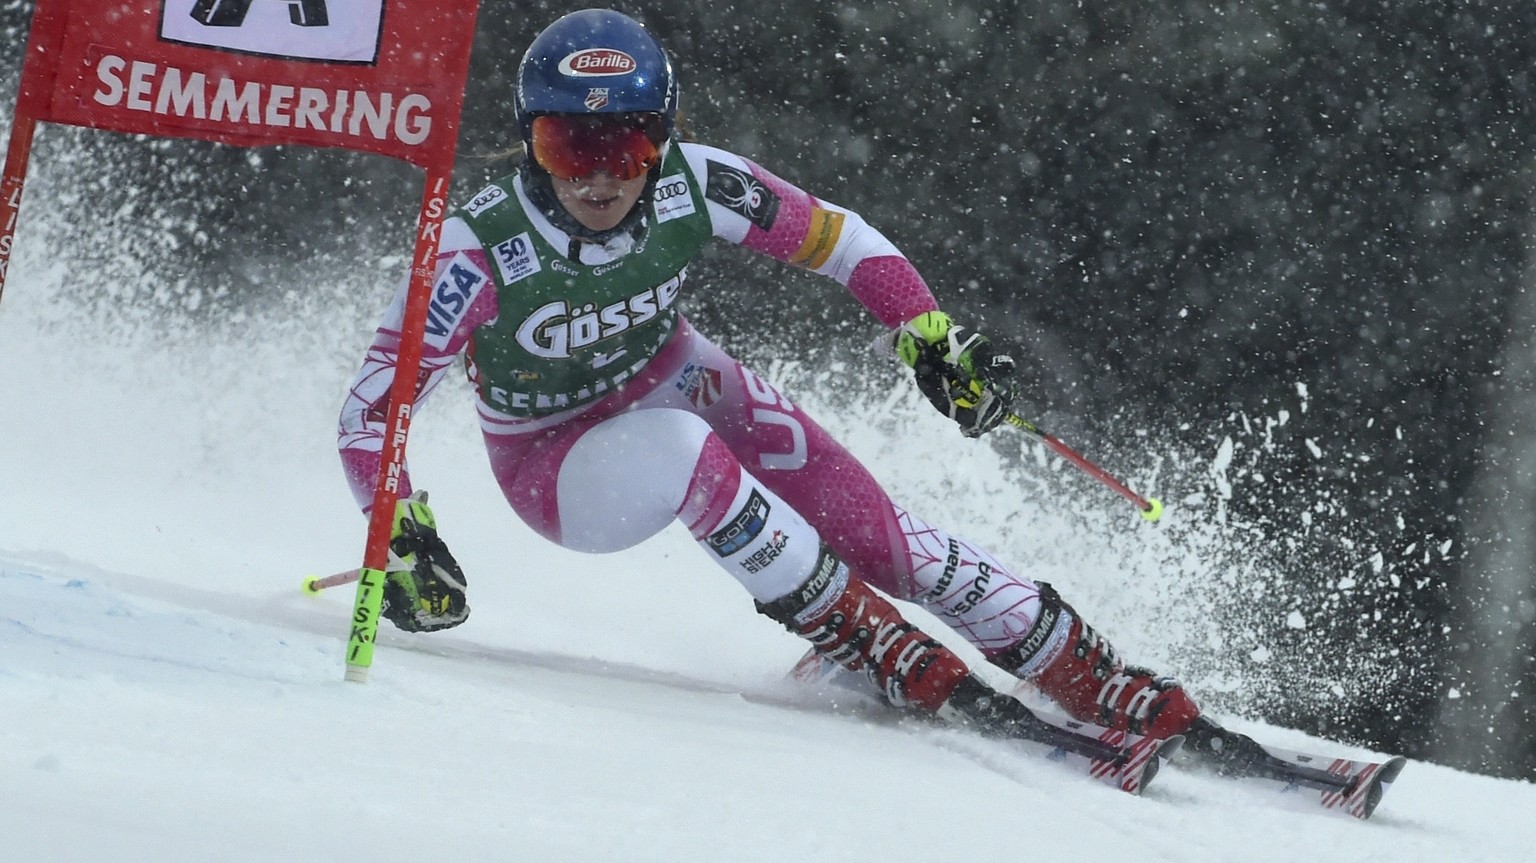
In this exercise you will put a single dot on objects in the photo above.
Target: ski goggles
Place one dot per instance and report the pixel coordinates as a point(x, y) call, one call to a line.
point(570, 146)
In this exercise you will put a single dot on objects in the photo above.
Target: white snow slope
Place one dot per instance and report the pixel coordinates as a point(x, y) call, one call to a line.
point(167, 694)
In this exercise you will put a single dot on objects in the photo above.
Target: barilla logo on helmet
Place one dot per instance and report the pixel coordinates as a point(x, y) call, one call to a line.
point(597, 62)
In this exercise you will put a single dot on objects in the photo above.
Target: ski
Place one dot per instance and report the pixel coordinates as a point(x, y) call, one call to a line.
point(1125, 761)
point(1344, 786)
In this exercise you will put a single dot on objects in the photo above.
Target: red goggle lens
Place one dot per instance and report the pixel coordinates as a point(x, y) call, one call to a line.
point(569, 147)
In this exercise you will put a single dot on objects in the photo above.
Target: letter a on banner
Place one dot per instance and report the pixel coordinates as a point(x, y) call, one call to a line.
point(380, 76)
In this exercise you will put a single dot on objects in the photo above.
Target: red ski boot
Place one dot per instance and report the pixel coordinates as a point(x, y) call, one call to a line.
point(856, 628)
point(1079, 670)
point(861, 630)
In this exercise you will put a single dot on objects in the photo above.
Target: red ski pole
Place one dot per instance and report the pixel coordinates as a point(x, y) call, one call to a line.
point(314, 584)
point(1151, 508)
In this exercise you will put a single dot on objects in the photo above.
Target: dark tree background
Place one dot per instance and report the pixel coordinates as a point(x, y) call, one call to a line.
point(1190, 214)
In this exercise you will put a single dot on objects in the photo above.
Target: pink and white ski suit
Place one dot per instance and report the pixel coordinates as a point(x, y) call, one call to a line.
point(697, 436)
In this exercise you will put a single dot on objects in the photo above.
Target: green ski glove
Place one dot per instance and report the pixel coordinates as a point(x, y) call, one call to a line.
point(961, 372)
point(424, 587)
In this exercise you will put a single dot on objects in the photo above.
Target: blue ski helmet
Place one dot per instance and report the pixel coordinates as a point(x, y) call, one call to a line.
point(595, 61)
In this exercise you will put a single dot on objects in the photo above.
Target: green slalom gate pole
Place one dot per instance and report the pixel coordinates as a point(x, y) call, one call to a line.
point(365, 624)
point(1151, 508)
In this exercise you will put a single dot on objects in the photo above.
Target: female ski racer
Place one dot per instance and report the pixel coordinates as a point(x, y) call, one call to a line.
point(606, 415)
